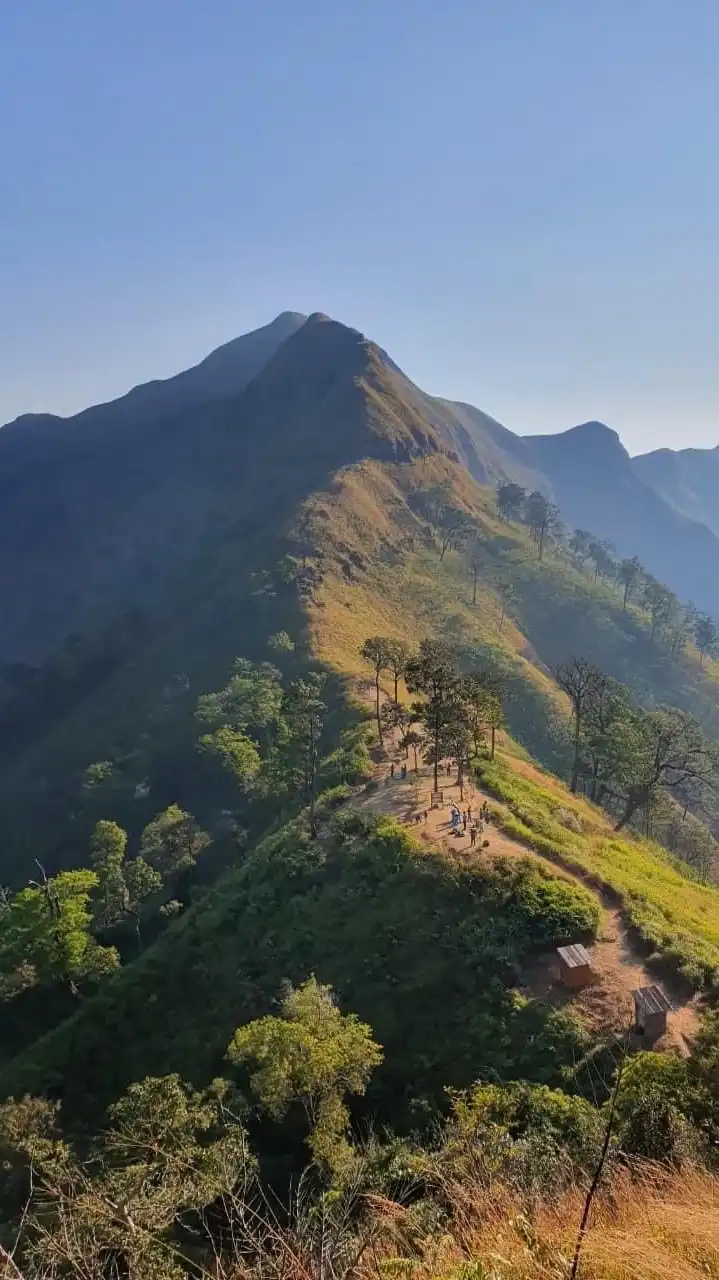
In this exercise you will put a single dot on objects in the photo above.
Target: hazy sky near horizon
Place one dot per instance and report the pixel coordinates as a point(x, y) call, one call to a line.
point(518, 199)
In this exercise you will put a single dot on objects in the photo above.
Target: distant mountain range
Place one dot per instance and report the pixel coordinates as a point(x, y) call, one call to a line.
point(96, 509)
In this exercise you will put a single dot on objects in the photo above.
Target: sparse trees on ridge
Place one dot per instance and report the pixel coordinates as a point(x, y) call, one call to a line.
point(375, 650)
point(628, 753)
point(397, 656)
point(706, 636)
point(542, 516)
point(629, 575)
point(510, 501)
point(433, 673)
point(577, 678)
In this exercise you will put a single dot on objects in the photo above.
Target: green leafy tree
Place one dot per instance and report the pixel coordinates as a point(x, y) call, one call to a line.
point(97, 773)
point(412, 740)
point(661, 605)
point(303, 714)
point(577, 678)
point(45, 935)
point(706, 636)
point(606, 707)
point(580, 547)
point(475, 692)
point(281, 642)
point(375, 650)
point(433, 672)
point(653, 1109)
point(457, 739)
point(455, 527)
point(680, 629)
point(601, 553)
point(173, 841)
point(396, 716)
point(494, 713)
point(251, 700)
point(236, 753)
point(398, 654)
point(629, 574)
point(107, 856)
point(167, 1154)
point(542, 516)
point(123, 886)
point(311, 1054)
point(141, 881)
point(510, 501)
point(659, 750)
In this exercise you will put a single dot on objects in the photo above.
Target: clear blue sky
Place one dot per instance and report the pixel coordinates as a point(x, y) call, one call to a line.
point(519, 199)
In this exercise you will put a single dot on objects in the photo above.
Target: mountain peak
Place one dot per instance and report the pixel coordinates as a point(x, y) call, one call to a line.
point(589, 439)
point(594, 430)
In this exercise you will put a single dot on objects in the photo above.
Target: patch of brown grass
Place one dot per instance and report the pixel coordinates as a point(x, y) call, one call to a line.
point(647, 1224)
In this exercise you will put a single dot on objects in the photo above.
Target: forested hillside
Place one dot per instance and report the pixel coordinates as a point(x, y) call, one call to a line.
point(243, 939)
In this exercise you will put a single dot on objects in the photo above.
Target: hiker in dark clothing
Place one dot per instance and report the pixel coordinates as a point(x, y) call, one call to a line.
point(464, 822)
point(391, 770)
point(404, 772)
point(426, 814)
point(472, 836)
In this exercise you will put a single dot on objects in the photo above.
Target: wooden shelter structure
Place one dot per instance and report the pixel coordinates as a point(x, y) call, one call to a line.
point(651, 1006)
point(575, 966)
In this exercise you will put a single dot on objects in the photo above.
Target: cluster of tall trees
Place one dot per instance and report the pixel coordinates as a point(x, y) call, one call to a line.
point(671, 623)
point(533, 509)
point(627, 756)
point(171, 1187)
point(266, 734)
point(55, 930)
point(456, 712)
point(58, 929)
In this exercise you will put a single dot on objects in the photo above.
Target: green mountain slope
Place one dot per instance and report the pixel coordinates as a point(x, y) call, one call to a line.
point(331, 422)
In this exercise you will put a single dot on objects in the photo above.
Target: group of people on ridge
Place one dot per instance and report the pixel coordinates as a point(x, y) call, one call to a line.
point(463, 818)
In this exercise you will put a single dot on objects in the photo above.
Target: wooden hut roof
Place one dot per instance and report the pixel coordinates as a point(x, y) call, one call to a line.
point(651, 1000)
point(575, 957)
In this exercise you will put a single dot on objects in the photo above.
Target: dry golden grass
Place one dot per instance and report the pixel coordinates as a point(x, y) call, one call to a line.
point(650, 1224)
point(401, 590)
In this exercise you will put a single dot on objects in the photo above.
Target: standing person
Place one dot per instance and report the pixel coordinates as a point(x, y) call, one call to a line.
point(426, 814)
point(472, 835)
point(391, 770)
point(404, 772)
point(469, 812)
point(464, 822)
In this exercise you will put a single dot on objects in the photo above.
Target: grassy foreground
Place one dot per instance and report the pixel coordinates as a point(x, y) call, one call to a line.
point(676, 917)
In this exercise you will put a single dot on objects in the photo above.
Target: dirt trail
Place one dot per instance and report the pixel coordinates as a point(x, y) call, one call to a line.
point(605, 1005)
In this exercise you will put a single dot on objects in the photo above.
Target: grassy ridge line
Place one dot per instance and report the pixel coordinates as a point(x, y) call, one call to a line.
point(673, 914)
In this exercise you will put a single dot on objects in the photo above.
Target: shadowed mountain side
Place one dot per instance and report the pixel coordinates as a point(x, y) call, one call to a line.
point(221, 518)
point(597, 488)
point(94, 507)
point(688, 479)
point(486, 446)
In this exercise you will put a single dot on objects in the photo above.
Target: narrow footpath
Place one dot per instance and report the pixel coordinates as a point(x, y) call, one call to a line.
point(604, 1006)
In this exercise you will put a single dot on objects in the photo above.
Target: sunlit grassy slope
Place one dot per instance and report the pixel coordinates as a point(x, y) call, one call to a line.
point(383, 575)
point(675, 915)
